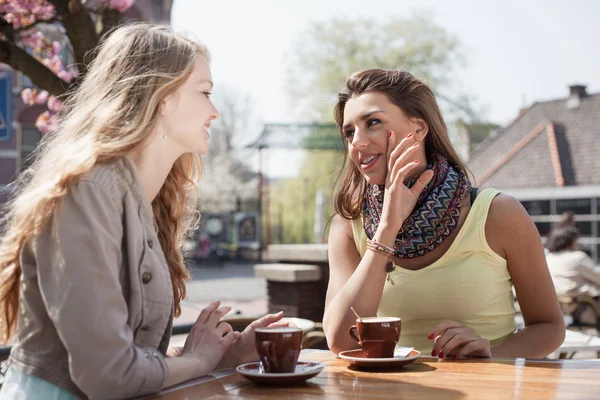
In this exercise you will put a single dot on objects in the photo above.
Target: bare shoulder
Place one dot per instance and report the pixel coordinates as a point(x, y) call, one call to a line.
point(507, 220)
point(340, 228)
point(504, 209)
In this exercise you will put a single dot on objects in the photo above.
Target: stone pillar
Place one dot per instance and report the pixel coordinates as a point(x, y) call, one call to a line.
point(295, 289)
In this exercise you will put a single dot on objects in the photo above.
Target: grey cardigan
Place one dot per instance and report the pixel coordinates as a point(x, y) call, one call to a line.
point(96, 301)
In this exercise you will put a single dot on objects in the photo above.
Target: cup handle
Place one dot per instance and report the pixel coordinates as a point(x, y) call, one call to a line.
point(269, 349)
point(354, 334)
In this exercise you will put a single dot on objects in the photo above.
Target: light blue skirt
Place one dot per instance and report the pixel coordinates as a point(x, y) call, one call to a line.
point(19, 386)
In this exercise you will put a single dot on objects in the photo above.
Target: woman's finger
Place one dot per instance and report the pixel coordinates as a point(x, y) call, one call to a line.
point(216, 315)
point(223, 328)
point(265, 321)
point(230, 338)
point(442, 327)
point(421, 183)
point(391, 147)
point(402, 172)
point(405, 158)
point(474, 346)
point(458, 341)
point(441, 341)
point(207, 311)
point(398, 150)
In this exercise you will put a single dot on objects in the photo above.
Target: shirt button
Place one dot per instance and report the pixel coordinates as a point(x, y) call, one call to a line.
point(150, 243)
point(146, 277)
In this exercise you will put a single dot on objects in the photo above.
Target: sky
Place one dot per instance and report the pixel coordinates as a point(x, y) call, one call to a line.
point(517, 52)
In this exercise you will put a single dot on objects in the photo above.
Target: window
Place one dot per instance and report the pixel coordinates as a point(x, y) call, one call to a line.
point(585, 227)
point(537, 207)
point(578, 206)
point(543, 228)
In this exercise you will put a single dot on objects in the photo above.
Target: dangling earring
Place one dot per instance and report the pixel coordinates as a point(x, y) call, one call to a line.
point(165, 128)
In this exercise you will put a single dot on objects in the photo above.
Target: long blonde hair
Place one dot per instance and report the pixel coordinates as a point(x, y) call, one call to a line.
point(113, 110)
point(416, 100)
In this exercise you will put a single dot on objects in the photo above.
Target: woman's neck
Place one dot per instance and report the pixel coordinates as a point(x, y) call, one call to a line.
point(154, 163)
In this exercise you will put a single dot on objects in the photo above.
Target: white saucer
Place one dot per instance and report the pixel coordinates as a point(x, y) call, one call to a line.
point(304, 370)
point(357, 358)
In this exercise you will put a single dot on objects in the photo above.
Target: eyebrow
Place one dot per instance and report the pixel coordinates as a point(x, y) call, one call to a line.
point(363, 118)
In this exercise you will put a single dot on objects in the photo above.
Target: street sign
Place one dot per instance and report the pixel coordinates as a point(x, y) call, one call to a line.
point(6, 106)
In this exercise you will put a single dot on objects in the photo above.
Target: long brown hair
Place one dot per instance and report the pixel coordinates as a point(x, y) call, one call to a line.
point(416, 100)
point(114, 109)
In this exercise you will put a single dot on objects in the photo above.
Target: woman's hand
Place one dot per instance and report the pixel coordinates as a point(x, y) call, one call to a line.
point(452, 339)
point(399, 201)
point(209, 338)
point(244, 350)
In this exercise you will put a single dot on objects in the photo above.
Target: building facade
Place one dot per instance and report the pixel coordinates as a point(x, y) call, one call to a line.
point(549, 159)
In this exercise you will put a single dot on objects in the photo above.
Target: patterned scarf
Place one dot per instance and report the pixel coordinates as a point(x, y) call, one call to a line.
point(435, 215)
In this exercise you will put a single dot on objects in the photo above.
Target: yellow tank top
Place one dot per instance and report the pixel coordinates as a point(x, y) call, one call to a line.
point(469, 283)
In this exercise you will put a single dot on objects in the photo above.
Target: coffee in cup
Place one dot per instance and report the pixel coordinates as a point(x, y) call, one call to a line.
point(279, 348)
point(377, 336)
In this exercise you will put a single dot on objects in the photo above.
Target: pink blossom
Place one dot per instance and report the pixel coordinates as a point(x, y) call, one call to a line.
point(28, 96)
point(43, 122)
point(120, 5)
point(23, 13)
point(56, 47)
point(54, 104)
point(42, 97)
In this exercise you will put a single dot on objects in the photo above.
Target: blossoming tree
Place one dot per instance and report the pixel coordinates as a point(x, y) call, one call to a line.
point(34, 33)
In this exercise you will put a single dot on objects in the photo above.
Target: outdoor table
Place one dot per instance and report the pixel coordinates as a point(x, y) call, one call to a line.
point(426, 378)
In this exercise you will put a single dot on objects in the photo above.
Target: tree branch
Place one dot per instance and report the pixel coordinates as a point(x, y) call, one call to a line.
point(80, 29)
point(110, 18)
point(39, 74)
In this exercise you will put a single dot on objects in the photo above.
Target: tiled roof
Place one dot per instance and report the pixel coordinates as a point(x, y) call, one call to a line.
point(549, 145)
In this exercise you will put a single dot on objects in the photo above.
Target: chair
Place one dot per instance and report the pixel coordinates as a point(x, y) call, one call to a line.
point(575, 306)
point(315, 339)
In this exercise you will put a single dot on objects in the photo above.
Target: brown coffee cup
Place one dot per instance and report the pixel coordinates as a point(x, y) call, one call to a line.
point(279, 348)
point(377, 336)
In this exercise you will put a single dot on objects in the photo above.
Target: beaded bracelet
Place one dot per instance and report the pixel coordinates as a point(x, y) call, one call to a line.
point(386, 251)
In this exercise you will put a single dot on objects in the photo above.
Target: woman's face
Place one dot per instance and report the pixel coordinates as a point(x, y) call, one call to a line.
point(189, 111)
point(368, 119)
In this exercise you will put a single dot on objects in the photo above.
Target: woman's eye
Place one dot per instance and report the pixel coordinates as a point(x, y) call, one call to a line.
point(207, 94)
point(349, 134)
point(373, 121)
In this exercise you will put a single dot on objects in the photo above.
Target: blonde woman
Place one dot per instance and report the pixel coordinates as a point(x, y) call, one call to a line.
point(91, 268)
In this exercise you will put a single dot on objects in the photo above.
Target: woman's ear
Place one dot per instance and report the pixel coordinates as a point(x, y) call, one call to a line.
point(421, 129)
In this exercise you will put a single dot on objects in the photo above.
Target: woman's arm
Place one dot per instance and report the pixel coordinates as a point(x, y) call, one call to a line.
point(352, 283)
point(588, 270)
point(78, 258)
point(512, 234)
point(356, 282)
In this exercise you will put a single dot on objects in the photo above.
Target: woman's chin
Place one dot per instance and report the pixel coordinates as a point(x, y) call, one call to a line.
point(374, 179)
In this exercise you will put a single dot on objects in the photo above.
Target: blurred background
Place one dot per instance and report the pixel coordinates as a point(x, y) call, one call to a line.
point(518, 83)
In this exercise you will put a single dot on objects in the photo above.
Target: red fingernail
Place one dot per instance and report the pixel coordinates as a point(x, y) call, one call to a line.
point(441, 354)
point(430, 336)
point(391, 133)
point(416, 161)
point(433, 353)
point(415, 145)
point(455, 356)
point(409, 135)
